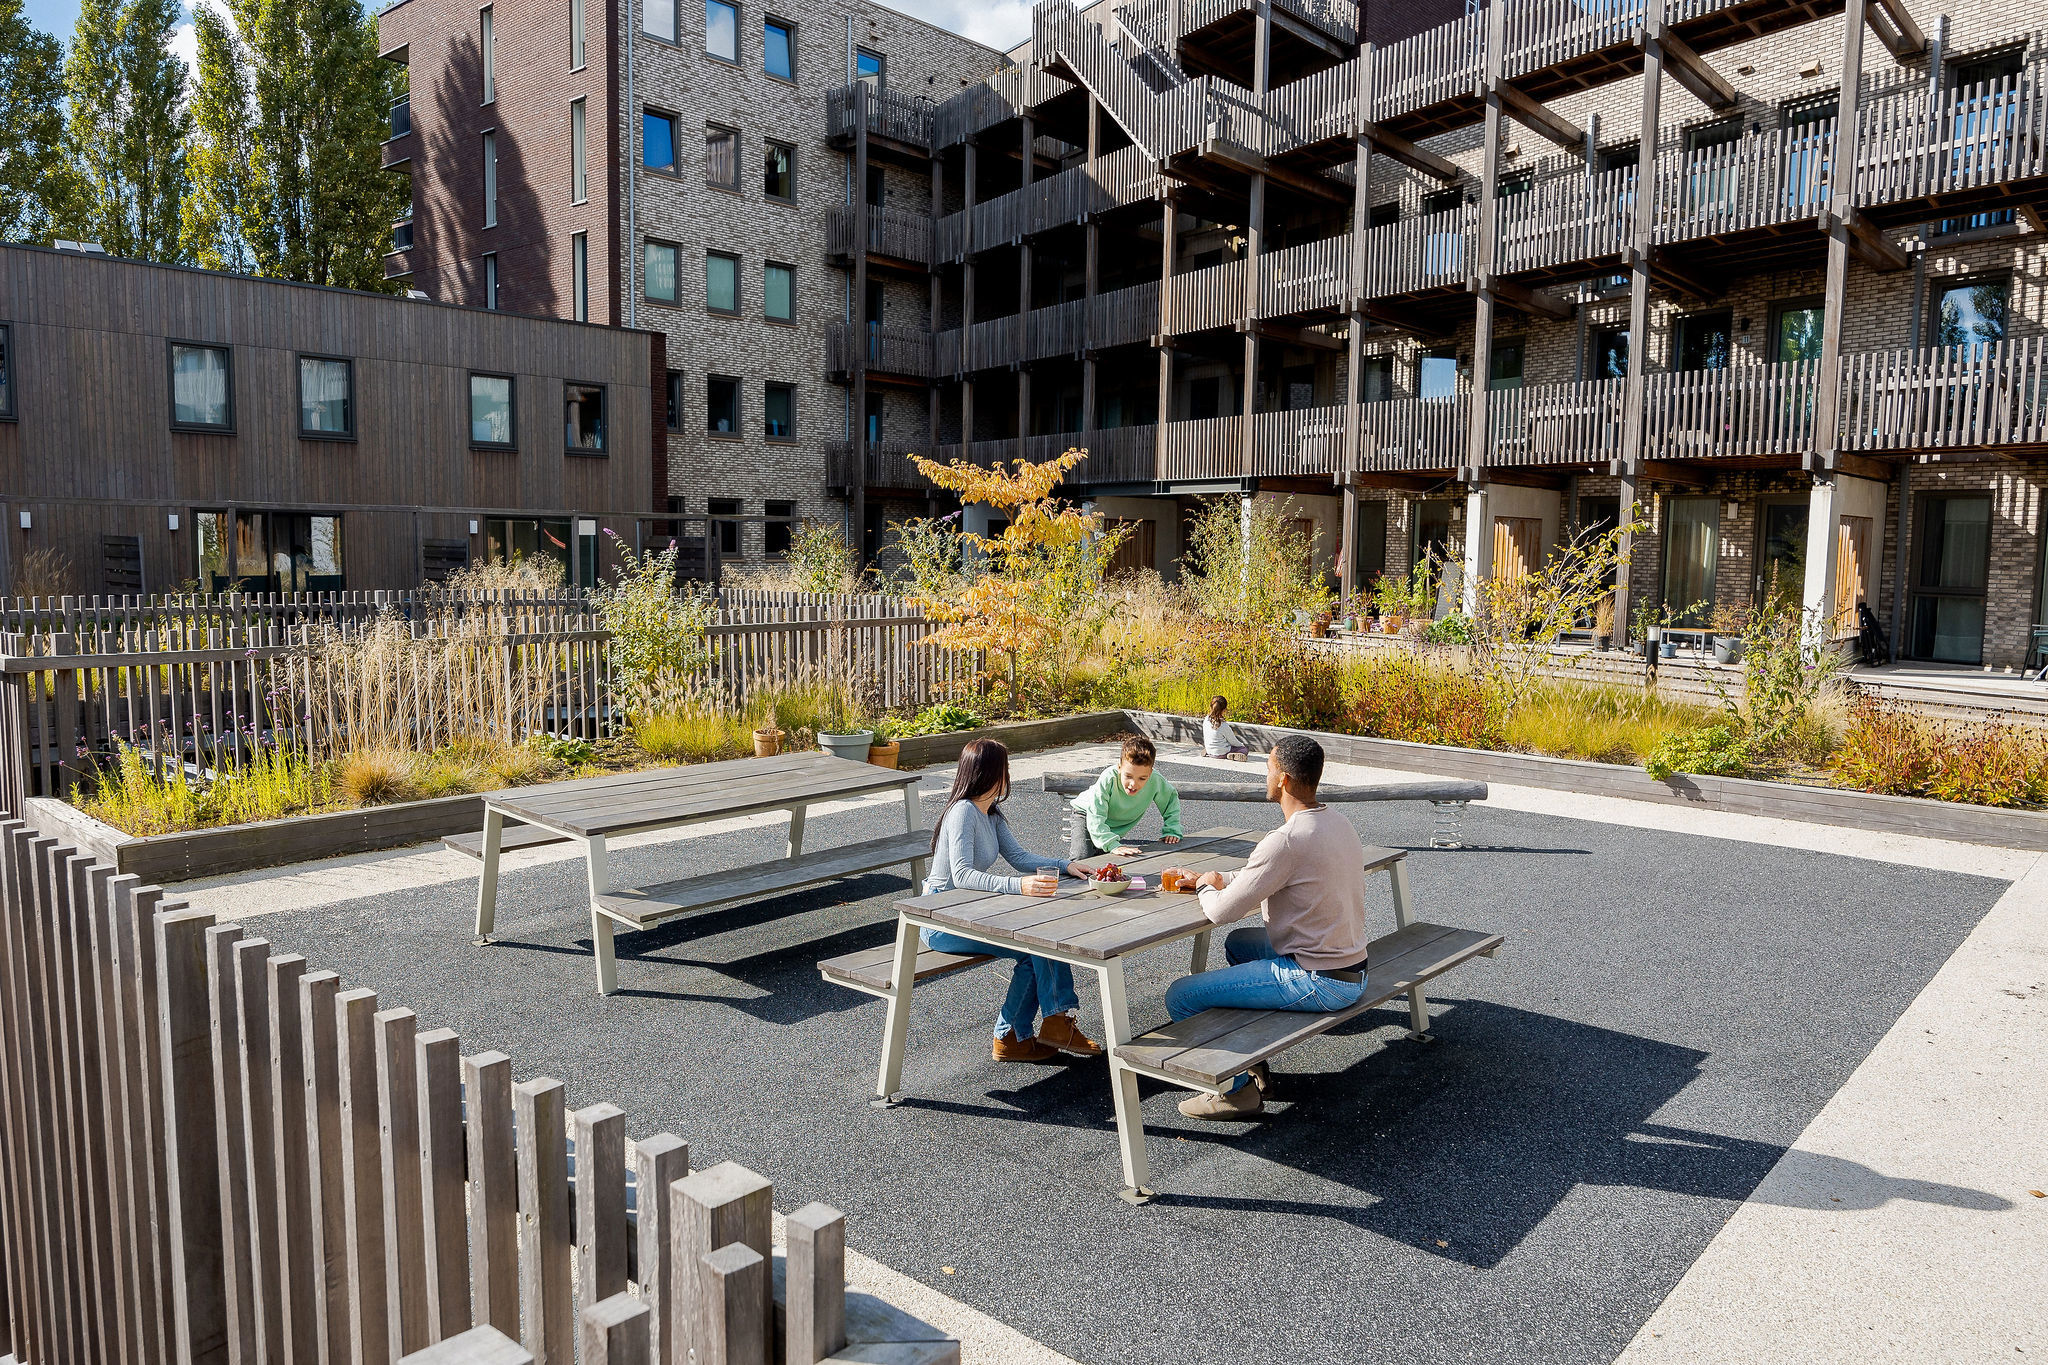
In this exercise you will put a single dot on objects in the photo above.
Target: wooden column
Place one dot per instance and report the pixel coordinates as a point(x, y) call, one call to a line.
point(1632, 431)
point(1168, 235)
point(1254, 231)
point(967, 190)
point(858, 497)
point(1091, 275)
point(1024, 294)
point(1827, 408)
point(934, 308)
point(1361, 220)
point(1478, 424)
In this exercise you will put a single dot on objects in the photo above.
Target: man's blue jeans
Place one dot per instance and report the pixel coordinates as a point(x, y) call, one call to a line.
point(1258, 979)
point(1038, 985)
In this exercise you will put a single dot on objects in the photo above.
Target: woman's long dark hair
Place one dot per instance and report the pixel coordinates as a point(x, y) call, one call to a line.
point(984, 766)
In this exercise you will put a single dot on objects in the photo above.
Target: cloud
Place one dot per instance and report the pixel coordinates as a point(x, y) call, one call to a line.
point(185, 37)
point(999, 23)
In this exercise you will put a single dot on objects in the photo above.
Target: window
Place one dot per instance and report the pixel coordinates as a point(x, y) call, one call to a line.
point(1713, 180)
point(778, 527)
point(877, 407)
point(721, 157)
point(675, 400)
point(1952, 550)
point(576, 56)
point(490, 411)
point(871, 67)
point(485, 47)
point(579, 275)
point(778, 412)
point(1795, 330)
point(722, 30)
point(6, 375)
point(1692, 549)
point(491, 280)
point(579, 165)
point(778, 49)
point(507, 541)
point(661, 272)
point(1609, 358)
point(1983, 88)
point(201, 389)
point(778, 292)
point(1436, 374)
point(721, 405)
point(1441, 201)
point(583, 418)
point(1702, 341)
point(1781, 552)
point(1382, 215)
point(778, 171)
point(721, 282)
point(1375, 381)
point(658, 17)
point(269, 551)
point(326, 397)
point(1506, 365)
point(728, 531)
point(658, 141)
point(490, 180)
point(1971, 313)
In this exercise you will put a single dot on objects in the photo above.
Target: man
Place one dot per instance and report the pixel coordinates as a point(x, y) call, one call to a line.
point(1308, 876)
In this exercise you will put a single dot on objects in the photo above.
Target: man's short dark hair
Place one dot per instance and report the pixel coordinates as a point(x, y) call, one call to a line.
point(1300, 758)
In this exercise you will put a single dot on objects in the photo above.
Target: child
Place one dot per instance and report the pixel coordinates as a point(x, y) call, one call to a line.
point(1218, 739)
point(1111, 809)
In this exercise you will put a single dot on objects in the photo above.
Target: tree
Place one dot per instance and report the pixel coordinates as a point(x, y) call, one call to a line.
point(287, 167)
point(34, 185)
point(1254, 565)
point(125, 137)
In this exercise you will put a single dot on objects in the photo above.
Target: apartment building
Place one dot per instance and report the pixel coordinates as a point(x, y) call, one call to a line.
point(665, 165)
point(163, 427)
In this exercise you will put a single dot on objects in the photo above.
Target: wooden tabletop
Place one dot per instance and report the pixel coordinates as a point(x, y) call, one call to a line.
point(666, 796)
point(1078, 920)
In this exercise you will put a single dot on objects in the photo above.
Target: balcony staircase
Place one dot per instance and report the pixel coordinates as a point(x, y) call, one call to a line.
point(1069, 45)
point(1150, 42)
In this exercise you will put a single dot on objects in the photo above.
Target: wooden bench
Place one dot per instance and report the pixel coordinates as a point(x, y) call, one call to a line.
point(648, 906)
point(1205, 1051)
point(869, 969)
point(515, 836)
point(1449, 795)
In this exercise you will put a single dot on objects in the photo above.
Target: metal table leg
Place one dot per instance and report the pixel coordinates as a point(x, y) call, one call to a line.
point(600, 923)
point(796, 830)
point(1198, 959)
point(902, 976)
point(913, 819)
point(487, 885)
point(1404, 915)
point(1123, 1085)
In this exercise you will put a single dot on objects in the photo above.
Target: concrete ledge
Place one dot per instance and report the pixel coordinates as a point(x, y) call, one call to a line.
point(922, 751)
point(1735, 795)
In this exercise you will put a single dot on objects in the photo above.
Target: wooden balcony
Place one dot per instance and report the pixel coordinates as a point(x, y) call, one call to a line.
point(1744, 411)
point(895, 236)
point(1414, 435)
point(1121, 317)
point(1987, 396)
point(1556, 424)
point(886, 353)
point(902, 122)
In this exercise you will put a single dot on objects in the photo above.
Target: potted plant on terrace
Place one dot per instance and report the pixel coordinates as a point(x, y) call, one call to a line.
point(887, 748)
point(1603, 623)
point(841, 733)
point(768, 738)
point(1727, 635)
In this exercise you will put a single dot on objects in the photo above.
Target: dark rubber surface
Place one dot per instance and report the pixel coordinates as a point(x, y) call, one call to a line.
point(1668, 1013)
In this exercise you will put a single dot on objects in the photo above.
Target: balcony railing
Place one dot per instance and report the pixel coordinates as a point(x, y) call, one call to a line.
point(401, 119)
point(889, 350)
point(897, 234)
point(1404, 434)
point(891, 114)
point(1416, 254)
point(1741, 410)
point(1541, 424)
point(1313, 277)
point(1956, 397)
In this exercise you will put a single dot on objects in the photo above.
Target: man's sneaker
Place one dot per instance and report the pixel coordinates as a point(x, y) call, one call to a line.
point(1062, 1032)
point(1241, 1103)
point(1023, 1050)
point(1262, 1077)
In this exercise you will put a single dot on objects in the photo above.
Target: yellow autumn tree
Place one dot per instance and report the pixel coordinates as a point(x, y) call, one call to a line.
point(1032, 593)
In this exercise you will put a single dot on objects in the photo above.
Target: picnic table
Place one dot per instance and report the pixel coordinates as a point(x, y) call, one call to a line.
point(594, 810)
point(1086, 929)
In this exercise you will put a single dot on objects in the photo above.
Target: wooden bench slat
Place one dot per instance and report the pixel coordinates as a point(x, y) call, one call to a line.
point(1217, 1044)
point(1427, 789)
point(650, 905)
point(869, 969)
point(515, 836)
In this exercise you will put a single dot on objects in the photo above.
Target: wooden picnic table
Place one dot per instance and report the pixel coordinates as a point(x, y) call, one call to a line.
point(1086, 929)
point(594, 810)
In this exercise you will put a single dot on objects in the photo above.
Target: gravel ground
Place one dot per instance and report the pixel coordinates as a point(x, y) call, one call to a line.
point(1668, 1013)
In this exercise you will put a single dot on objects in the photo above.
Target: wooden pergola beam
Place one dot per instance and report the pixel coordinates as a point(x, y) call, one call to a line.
point(1672, 275)
point(1524, 299)
point(1539, 117)
point(1860, 466)
point(1664, 471)
point(1381, 316)
point(1693, 72)
point(1868, 242)
point(1408, 154)
point(1293, 27)
point(1893, 24)
point(1297, 336)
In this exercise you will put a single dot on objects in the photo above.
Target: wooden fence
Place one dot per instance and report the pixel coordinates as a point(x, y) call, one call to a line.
point(214, 1152)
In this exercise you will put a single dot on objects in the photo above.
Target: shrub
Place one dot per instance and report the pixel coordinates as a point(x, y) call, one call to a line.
point(1455, 629)
point(376, 777)
point(1409, 699)
point(1299, 687)
point(517, 765)
point(564, 749)
point(1712, 750)
point(131, 795)
point(1253, 565)
point(820, 560)
point(445, 775)
point(1893, 751)
point(692, 735)
point(939, 718)
point(1598, 724)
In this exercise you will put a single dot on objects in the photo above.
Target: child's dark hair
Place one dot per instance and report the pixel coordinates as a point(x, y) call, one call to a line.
point(1218, 704)
point(1139, 750)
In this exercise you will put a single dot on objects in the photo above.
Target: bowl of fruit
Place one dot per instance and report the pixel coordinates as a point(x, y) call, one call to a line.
point(1109, 879)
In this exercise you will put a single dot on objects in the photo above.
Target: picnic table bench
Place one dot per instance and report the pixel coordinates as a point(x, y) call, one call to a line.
point(1448, 795)
point(1203, 1052)
point(594, 810)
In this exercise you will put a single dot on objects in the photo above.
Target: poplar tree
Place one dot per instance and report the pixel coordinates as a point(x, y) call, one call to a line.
point(34, 177)
point(295, 187)
point(125, 136)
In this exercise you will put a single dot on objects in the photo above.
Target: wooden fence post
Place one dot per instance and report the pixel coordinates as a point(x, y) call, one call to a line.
point(814, 1284)
point(197, 1287)
point(365, 1292)
point(484, 1345)
point(441, 1173)
point(545, 1291)
point(236, 1231)
point(734, 1312)
point(398, 1134)
point(711, 1209)
point(319, 1032)
point(600, 1202)
point(659, 1162)
point(493, 1192)
point(259, 1118)
point(615, 1332)
point(297, 1239)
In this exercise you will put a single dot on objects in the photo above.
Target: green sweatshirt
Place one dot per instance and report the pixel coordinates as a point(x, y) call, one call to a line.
point(1113, 813)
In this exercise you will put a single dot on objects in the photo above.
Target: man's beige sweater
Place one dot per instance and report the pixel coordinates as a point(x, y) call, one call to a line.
point(1309, 874)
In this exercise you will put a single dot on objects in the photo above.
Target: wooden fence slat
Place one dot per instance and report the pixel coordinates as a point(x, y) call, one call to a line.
point(494, 1286)
point(658, 1162)
point(733, 1312)
point(319, 1034)
point(136, 910)
point(444, 1189)
point(545, 1234)
point(362, 1167)
point(484, 1345)
point(259, 1127)
point(122, 1206)
point(405, 1248)
point(814, 1285)
point(297, 1236)
point(30, 1309)
point(230, 1123)
point(615, 1332)
point(600, 1132)
point(197, 1287)
point(711, 1209)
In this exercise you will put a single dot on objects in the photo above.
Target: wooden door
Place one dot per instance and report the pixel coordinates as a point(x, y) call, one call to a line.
point(1855, 540)
point(1517, 547)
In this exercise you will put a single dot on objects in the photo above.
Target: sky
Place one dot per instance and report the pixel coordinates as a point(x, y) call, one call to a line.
point(999, 23)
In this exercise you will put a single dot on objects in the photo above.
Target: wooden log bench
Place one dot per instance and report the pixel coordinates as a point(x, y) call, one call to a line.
point(1206, 1051)
point(1448, 795)
point(645, 907)
point(870, 969)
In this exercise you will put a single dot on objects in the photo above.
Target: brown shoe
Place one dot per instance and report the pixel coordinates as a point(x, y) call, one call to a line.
point(1262, 1077)
point(1062, 1032)
point(1242, 1103)
point(1023, 1050)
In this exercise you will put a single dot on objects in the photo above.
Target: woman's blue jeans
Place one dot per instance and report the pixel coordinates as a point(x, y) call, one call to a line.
point(1038, 985)
point(1258, 979)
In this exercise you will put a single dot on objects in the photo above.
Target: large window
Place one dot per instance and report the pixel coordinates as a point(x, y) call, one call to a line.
point(579, 275)
point(658, 17)
point(583, 418)
point(871, 67)
point(778, 292)
point(1986, 105)
point(326, 397)
point(1971, 313)
point(269, 551)
point(1781, 552)
point(778, 171)
point(579, 164)
point(658, 141)
point(661, 272)
point(488, 49)
point(490, 162)
point(778, 49)
point(721, 282)
point(722, 30)
point(778, 412)
point(6, 374)
point(576, 55)
point(1796, 327)
point(508, 541)
point(1437, 373)
point(721, 405)
point(721, 157)
point(1609, 357)
point(1692, 550)
point(1702, 341)
point(1506, 365)
point(202, 394)
point(490, 412)
point(1952, 554)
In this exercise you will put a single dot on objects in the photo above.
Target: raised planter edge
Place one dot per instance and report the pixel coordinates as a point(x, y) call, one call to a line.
point(922, 751)
point(1735, 795)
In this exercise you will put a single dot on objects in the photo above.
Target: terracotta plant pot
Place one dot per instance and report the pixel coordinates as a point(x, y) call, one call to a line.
point(1392, 624)
point(885, 754)
point(1319, 629)
point(767, 743)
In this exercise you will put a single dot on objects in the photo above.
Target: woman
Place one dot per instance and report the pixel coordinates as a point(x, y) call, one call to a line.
point(972, 833)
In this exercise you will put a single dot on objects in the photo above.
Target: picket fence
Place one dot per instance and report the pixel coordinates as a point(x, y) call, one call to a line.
point(213, 1152)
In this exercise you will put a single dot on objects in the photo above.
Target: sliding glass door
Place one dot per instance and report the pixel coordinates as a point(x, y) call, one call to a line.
point(1692, 547)
point(1952, 558)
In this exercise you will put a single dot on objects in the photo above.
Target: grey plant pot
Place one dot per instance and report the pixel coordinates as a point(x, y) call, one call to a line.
point(854, 746)
point(1727, 648)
